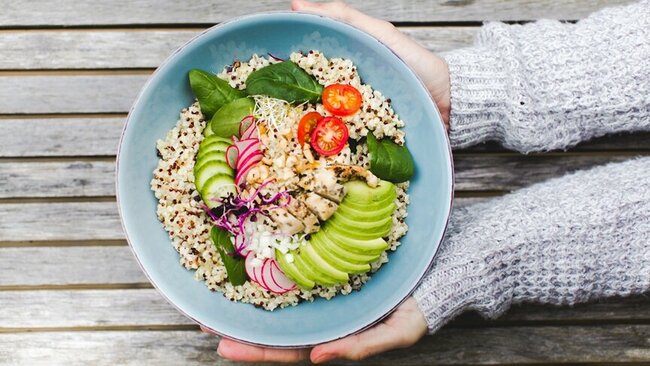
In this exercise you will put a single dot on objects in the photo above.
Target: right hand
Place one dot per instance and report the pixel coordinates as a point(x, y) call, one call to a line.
point(432, 69)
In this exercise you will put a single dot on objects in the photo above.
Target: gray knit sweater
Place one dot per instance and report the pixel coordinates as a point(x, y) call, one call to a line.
point(537, 87)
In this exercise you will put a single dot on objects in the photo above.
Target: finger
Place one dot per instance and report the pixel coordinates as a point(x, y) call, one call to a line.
point(241, 352)
point(357, 347)
point(207, 330)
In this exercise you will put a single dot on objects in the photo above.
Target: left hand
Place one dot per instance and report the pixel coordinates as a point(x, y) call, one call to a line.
point(401, 329)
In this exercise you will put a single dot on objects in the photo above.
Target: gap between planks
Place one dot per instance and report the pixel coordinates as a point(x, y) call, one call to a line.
point(77, 72)
point(63, 243)
point(84, 286)
point(107, 328)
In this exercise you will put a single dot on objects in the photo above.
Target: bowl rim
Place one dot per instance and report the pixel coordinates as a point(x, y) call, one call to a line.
point(168, 59)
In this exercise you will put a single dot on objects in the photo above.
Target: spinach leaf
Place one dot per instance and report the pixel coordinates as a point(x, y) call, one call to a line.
point(286, 81)
point(225, 122)
point(211, 91)
point(390, 161)
point(234, 264)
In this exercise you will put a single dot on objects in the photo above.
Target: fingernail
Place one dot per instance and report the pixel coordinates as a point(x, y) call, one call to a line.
point(324, 358)
point(219, 351)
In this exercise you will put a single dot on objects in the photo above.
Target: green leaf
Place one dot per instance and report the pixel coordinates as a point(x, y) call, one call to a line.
point(286, 81)
point(234, 263)
point(225, 122)
point(211, 91)
point(390, 161)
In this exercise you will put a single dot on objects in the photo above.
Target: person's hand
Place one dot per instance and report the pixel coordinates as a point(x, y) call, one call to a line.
point(401, 329)
point(432, 69)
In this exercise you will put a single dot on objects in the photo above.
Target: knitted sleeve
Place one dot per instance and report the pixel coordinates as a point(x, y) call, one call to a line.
point(549, 85)
point(568, 240)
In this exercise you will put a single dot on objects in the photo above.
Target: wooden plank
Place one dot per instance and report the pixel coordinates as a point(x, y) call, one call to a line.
point(510, 345)
point(146, 307)
point(62, 179)
point(107, 49)
point(94, 136)
point(40, 266)
point(124, 12)
point(69, 94)
point(87, 308)
point(59, 221)
point(479, 172)
point(83, 136)
point(508, 172)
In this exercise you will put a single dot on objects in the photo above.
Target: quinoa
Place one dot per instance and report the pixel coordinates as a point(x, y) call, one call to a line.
point(179, 208)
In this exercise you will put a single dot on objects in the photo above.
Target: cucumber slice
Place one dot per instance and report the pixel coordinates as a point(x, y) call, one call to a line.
point(212, 146)
point(218, 186)
point(208, 157)
point(214, 138)
point(209, 170)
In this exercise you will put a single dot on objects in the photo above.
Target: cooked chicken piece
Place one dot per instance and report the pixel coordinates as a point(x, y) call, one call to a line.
point(298, 209)
point(321, 206)
point(323, 182)
point(287, 223)
point(348, 172)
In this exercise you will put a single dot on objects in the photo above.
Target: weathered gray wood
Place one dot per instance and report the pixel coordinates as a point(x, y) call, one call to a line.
point(87, 308)
point(69, 266)
point(146, 307)
point(479, 172)
point(106, 49)
point(69, 94)
point(70, 12)
point(81, 136)
point(511, 345)
point(59, 221)
point(94, 136)
point(508, 172)
point(65, 179)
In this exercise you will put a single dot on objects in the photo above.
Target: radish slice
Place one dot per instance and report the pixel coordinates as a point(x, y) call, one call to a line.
point(245, 123)
point(243, 171)
point(247, 146)
point(248, 264)
point(263, 277)
point(267, 278)
point(280, 278)
point(250, 132)
point(232, 155)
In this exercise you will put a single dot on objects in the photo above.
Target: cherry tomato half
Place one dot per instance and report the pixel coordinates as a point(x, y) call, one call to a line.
point(341, 100)
point(307, 124)
point(330, 136)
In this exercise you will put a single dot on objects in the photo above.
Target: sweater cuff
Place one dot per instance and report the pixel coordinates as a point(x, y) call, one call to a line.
point(478, 96)
point(450, 288)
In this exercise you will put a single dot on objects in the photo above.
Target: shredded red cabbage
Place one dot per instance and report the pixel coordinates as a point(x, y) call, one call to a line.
point(245, 209)
point(275, 57)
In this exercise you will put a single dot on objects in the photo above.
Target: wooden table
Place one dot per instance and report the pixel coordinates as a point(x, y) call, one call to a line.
point(70, 290)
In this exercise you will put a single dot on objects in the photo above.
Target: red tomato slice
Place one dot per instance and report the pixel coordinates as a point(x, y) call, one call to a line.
point(329, 136)
point(306, 125)
point(341, 100)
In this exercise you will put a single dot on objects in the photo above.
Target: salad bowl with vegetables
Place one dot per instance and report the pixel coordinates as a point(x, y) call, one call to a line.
point(308, 175)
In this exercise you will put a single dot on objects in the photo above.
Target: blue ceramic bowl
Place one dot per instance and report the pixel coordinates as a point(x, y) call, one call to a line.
point(156, 111)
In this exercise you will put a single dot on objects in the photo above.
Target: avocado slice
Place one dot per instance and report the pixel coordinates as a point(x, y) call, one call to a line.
point(374, 206)
point(349, 256)
point(366, 215)
point(292, 272)
point(376, 245)
point(321, 266)
point(309, 270)
point(321, 247)
point(362, 229)
point(347, 232)
point(359, 192)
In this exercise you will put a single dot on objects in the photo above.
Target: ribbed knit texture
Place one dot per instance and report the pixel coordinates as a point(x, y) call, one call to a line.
point(549, 85)
point(584, 236)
